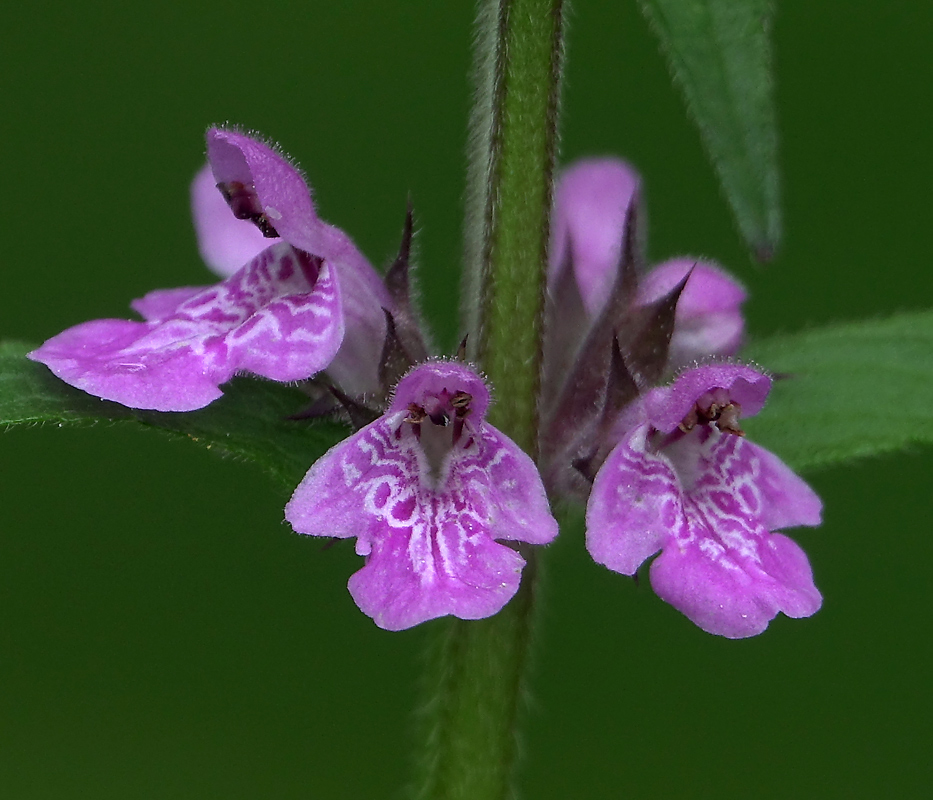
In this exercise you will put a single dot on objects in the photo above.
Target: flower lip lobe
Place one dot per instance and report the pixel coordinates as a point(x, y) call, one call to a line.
point(280, 317)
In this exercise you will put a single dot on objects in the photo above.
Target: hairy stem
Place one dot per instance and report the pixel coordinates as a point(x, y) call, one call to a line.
point(476, 674)
point(513, 142)
point(477, 668)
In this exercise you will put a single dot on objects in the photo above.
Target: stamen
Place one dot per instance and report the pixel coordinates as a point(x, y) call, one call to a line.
point(416, 414)
point(689, 422)
point(461, 403)
point(724, 414)
point(728, 421)
point(244, 203)
point(438, 422)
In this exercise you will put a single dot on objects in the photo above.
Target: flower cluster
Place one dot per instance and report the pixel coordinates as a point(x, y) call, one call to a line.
point(640, 403)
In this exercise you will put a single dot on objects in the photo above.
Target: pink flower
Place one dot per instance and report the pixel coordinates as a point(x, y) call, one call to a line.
point(426, 490)
point(261, 186)
point(303, 299)
point(682, 480)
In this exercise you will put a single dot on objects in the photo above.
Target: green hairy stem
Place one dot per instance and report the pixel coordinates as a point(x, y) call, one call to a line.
point(476, 669)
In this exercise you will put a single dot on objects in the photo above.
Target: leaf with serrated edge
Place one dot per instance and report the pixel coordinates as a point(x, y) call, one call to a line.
point(719, 52)
point(250, 421)
point(846, 391)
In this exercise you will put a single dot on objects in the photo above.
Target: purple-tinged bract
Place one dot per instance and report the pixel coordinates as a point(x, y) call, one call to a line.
point(682, 480)
point(426, 490)
point(593, 200)
point(709, 318)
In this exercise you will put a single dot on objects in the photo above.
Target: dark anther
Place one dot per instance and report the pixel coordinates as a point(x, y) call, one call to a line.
point(689, 422)
point(461, 403)
point(728, 421)
point(726, 418)
point(244, 203)
point(416, 414)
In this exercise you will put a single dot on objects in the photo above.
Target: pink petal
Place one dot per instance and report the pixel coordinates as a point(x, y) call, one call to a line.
point(104, 358)
point(786, 499)
point(350, 482)
point(294, 335)
point(724, 597)
point(285, 200)
point(283, 196)
point(162, 303)
point(724, 570)
point(633, 507)
point(591, 203)
point(437, 377)
point(517, 504)
point(276, 317)
point(225, 242)
point(433, 570)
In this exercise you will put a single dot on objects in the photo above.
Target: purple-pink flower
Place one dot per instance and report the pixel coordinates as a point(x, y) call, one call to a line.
point(682, 480)
point(306, 301)
point(602, 300)
point(260, 185)
point(427, 489)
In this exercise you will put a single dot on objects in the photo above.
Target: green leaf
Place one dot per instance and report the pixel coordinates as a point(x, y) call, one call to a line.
point(250, 421)
point(719, 51)
point(850, 390)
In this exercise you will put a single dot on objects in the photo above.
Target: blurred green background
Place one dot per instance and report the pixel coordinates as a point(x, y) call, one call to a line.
point(164, 634)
